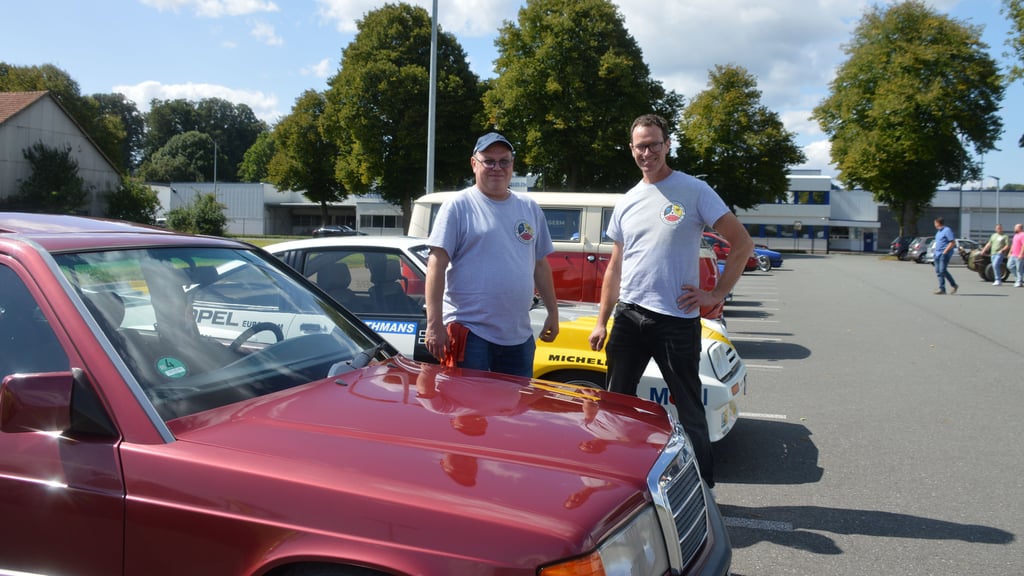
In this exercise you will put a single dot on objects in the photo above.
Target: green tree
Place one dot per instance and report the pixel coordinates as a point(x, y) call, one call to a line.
point(205, 215)
point(377, 107)
point(304, 159)
point(54, 185)
point(570, 81)
point(741, 145)
point(124, 117)
point(1014, 11)
point(916, 91)
point(256, 160)
point(105, 131)
point(233, 127)
point(187, 157)
point(133, 201)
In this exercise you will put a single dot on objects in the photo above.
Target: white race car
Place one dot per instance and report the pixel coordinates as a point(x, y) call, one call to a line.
point(381, 280)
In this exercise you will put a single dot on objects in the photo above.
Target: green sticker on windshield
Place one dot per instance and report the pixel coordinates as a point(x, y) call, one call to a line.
point(171, 367)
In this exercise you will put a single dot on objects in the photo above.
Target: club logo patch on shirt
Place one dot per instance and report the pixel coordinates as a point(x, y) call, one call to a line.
point(524, 231)
point(673, 213)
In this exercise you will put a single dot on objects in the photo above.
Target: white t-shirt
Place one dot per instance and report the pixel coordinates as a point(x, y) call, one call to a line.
point(494, 246)
point(660, 227)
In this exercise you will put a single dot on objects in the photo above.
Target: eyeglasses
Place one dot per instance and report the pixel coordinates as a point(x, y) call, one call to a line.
point(645, 148)
point(491, 164)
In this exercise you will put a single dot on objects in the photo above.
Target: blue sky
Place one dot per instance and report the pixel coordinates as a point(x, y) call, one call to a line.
point(266, 53)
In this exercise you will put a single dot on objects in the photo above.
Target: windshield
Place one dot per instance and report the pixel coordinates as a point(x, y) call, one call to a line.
point(204, 327)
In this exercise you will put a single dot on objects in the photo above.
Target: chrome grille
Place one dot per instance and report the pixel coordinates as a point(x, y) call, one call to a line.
point(678, 495)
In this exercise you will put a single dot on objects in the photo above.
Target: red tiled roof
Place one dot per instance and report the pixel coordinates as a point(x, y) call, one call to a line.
point(13, 102)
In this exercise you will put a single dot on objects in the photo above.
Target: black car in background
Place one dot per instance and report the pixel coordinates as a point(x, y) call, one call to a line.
point(900, 246)
point(336, 230)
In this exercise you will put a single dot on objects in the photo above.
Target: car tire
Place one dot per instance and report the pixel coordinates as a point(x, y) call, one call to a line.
point(990, 273)
point(764, 263)
point(577, 377)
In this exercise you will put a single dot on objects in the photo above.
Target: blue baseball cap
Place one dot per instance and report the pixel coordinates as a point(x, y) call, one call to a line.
point(487, 140)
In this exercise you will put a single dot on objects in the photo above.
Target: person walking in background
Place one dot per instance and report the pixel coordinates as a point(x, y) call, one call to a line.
point(652, 280)
point(998, 246)
point(488, 250)
point(1016, 264)
point(945, 243)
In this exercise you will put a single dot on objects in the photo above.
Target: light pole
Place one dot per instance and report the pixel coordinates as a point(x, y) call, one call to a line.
point(996, 178)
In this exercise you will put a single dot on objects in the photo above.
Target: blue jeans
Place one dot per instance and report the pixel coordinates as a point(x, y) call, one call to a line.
point(639, 335)
point(997, 265)
point(483, 355)
point(942, 270)
point(1017, 266)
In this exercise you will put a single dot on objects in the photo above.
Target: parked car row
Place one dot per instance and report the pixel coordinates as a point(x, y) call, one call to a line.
point(176, 404)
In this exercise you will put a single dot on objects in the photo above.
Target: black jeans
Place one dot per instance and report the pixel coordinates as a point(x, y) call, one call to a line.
point(637, 336)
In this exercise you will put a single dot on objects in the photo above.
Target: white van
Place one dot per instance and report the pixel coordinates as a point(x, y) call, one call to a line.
point(577, 222)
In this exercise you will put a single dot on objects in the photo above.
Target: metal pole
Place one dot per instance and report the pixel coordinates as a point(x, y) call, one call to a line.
point(432, 100)
point(996, 178)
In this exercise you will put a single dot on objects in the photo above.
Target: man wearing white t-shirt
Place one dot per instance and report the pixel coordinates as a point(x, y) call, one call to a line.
point(652, 280)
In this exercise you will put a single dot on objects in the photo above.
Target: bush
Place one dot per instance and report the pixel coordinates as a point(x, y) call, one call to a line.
point(203, 216)
point(133, 201)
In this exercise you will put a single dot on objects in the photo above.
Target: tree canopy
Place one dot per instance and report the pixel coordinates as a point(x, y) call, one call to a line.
point(377, 106)
point(1014, 11)
point(187, 157)
point(232, 127)
point(303, 158)
point(918, 90)
point(570, 81)
point(738, 143)
point(54, 184)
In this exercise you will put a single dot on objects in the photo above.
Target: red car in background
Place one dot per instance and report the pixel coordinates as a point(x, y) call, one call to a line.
point(721, 248)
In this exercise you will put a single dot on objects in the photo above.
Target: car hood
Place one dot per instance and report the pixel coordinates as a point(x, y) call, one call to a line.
point(463, 449)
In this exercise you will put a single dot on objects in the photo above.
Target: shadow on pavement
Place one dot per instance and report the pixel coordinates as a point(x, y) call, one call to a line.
point(767, 452)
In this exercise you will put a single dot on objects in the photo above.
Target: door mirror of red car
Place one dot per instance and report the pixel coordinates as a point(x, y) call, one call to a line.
point(36, 402)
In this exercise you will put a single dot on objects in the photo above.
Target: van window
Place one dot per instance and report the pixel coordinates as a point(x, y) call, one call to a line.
point(563, 224)
point(606, 218)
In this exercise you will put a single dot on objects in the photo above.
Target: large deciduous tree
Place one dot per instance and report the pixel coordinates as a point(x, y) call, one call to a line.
point(1014, 11)
point(570, 81)
point(232, 128)
point(303, 158)
point(740, 145)
point(187, 157)
point(917, 91)
point(377, 111)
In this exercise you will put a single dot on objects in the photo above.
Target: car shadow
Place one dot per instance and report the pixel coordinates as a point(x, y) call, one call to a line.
point(755, 350)
point(767, 452)
point(803, 527)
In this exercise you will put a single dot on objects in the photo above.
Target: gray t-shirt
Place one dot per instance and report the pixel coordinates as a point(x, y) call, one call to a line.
point(660, 227)
point(494, 247)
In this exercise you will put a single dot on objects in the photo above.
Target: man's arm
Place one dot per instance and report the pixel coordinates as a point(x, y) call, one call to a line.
point(545, 284)
point(740, 250)
point(436, 337)
point(609, 296)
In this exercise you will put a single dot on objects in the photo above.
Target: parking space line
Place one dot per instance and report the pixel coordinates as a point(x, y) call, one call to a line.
point(764, 367)
point(735, 338)
point(762, 416)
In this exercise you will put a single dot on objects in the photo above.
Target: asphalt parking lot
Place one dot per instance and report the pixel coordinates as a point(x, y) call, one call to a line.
point(881, 432)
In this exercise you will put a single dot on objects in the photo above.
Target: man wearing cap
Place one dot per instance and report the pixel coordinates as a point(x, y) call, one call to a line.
point(488, 252)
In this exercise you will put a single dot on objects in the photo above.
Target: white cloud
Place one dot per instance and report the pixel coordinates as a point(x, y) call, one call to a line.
point(469, 18)
point(266, 34)
point(321, 69)
point(265, 106)
point(214, 8)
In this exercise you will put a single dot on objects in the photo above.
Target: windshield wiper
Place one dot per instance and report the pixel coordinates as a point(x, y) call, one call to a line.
point(364, 356)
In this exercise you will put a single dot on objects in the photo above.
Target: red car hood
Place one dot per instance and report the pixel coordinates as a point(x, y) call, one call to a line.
point(461, 450)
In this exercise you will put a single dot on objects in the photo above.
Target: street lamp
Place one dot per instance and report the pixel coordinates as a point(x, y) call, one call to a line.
point(996, 178)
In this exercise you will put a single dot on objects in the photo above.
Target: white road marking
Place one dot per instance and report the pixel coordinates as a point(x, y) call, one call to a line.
point(763, 367)
point(762, 416)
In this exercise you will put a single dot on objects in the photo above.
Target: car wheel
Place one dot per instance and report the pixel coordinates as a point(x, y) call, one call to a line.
point(990, 273)
point(578, 378)
point(764, 263)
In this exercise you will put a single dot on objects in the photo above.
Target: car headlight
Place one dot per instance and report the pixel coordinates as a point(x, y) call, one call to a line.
point(718, 354)
point(638, 548)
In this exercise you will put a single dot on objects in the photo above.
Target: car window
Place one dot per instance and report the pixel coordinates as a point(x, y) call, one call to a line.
point(200, 328)
point(27, 341)
point(368, 281)
point(606, 218)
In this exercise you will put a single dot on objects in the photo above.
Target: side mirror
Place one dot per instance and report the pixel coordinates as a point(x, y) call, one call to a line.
point(36, 402)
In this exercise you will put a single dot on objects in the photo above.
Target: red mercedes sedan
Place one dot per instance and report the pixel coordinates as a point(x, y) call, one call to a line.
point(178, 404)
